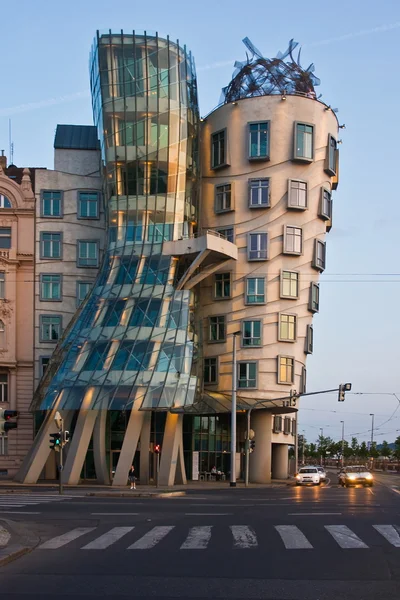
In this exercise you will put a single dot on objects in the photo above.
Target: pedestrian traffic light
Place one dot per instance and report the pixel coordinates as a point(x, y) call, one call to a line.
point(5, 416)
point(293, 398)
point(252, 445)
point(157, 449)
point(66, 438)
point(55, 441)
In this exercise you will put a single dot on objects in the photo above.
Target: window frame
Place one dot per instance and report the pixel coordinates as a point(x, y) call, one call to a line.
point(311, 303)
point(213, 166)
point(78, 283)
point(280, 356)
point(282, 295)
point(2, 285)
point(247, 387)
point(265, 157)
point(4, 388)
point(289, 202)
point(309, 340)
point(6, 237)
point(247, 303)
point(303, 380)
point(329, 168)
point(41, 298)
point(78, 207)
point(42, 340)
point(250, 188)
point(257, 233)
point(288, 314)
point(41, 371)
point(218, 326)
point(214, 358)
point(286, 237)
point(242, 338)
point(222, 283)
point(224, 192)
point(315, 259)
point(296, 157)
point(277, 424)
point(219, 229)
point(41, 242)
point(85, 241)
point(42, 213)
point(326, 216)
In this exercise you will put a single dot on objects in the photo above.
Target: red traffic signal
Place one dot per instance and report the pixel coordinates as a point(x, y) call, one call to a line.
point(5, 416)
point(157, 449)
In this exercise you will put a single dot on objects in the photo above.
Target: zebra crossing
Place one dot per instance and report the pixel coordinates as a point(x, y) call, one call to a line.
point(242, 537)
point(23, 500)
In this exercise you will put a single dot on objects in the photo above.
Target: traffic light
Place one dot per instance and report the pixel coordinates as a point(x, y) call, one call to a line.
point(5, 416)
point(343, 388)
point(157, 449)
point(252, 445)
point(55, 441)
point(66, 439)
point(293, 398)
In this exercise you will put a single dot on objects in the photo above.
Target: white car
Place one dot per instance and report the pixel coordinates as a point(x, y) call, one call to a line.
point(322, 473)
point(353, 475)
point(308, 475)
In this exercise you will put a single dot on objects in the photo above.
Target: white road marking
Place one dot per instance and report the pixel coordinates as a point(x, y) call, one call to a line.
point(61, 540)
point(198, 538)
point(293, 538)
point(151, 538)
point(315, 514)
point(395, 490)
point(207, 514)
point(390, 533)
point(243, 536)
point(117, 514)
point(17, 512)
point(105, 540)
point(345, 537)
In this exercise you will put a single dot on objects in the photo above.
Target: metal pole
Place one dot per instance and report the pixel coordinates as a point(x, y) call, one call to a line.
point(61, 466)
point(158, 470)
point(296, 447)
point(320, 444)
point(342, 422)
point(247, 465)
point(372, 430)
point(303, 452)
point(233, 416)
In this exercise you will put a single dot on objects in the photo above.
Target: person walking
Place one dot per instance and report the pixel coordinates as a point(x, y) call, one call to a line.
point(132, 477)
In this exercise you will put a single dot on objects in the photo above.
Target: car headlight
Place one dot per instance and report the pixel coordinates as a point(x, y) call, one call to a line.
point(351, 476)
point(298, 476)
point(369, 476)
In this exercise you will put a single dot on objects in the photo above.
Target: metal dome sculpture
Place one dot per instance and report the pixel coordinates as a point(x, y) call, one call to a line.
point(259, 76)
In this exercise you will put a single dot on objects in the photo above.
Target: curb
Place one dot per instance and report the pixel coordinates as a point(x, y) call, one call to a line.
point(137, 495)
point(24, 543)
point(13, 552)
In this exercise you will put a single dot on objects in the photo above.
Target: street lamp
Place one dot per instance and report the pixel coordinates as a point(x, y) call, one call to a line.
point(233, 413)
point(342, 422)
point(372, 429)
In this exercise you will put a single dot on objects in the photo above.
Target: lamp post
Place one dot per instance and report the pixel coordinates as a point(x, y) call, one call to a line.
point(233, 413)
point(342, 422)
point(320, 442)
point(372, 429)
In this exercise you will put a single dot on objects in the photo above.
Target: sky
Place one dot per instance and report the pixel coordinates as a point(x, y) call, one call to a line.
point(355, 47)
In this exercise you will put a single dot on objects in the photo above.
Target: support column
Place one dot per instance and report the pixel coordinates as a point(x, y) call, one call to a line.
point(99, 448)
point(280, 461)
point(129, 444)
point(171, 454)
point(145, 449)
point(13, 389)
point(260, 459)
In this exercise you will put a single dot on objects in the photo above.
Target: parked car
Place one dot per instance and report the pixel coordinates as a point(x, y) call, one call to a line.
point(322, 473)
point(354, 475)
point(308, 475)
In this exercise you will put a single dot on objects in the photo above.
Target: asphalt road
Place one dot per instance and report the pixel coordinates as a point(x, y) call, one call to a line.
point(288, 543)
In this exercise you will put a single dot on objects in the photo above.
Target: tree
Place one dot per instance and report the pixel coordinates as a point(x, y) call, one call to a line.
point(385, 449)
point(373, 451)
point(363, 450)
point(311, 450)
point(397, 448)
point(355, 448)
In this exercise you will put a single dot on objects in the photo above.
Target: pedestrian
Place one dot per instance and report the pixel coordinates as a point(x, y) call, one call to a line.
point(132, 477)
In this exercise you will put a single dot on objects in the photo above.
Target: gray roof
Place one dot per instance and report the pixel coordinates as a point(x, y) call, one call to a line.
point(76, 137)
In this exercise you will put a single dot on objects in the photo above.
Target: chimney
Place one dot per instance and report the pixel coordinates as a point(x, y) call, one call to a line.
point(3, 161)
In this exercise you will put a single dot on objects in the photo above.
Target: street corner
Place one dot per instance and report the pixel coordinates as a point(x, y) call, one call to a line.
point(14, 541)
point(5, 536)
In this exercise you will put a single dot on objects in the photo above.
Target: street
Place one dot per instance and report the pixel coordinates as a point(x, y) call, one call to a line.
point(283, 543)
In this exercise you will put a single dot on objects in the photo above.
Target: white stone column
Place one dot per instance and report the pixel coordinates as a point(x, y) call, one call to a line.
point(129, 444)
point(145, 448)
point(100, 448)
point(260, 459)
point(170, 451)
point(280, 461)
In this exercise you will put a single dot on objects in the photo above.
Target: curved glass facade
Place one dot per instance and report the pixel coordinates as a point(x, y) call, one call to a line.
point(131, 341)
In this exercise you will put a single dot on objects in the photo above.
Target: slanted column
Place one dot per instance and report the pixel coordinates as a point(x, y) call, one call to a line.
point(100, 449)
point(260, 459)
point(145, 448)
point(172, 451)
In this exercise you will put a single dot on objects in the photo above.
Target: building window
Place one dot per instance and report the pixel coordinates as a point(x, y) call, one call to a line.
point(52, 204)
point(210, 370)
point(255, 290)
point(5, 237)
point(251, 333)
point(50, 328)
point(97, 356)
point(257, 246)
point(247, 375)
point(156, 270)
point(133, 356)
point(50, 287)
point(222, 285)
point(309, 345)
point(50, 245)
point(292, 240)
point(127, 271)
point(88, 253)
point(304, 142)
point(223, 198)
point(218, 149)
point(277, 425)
point(331, 162)
point(2, 334)
point(217, 330)
point(325, 209)
point(114, 313)
point(82, 290)
point(287, 327)
point(303, 382)
point(259, 140)
point(313, 304)
point(297, 194)
point(259, 193)
point(3, 387)
point(319, 258)
point(2, 285)
point(289, 284)
point(4, 202)
point(226, 233)
point(285, 369)
point(44, 362)
point(4, 448)
point(88, 205)
point(286, 425)
point(146, 313)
